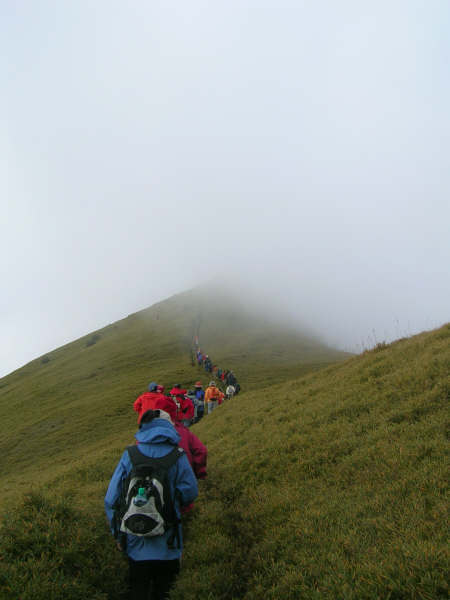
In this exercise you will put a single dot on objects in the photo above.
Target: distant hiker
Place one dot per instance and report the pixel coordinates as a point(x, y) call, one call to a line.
point(230, 391)
point(220, 397)
point(231, 379)
point(237, 389)
point(199, 358)
point(193, 399)
point(147, 528)
point(144, 402)
point(200, 400)
point(211, 396)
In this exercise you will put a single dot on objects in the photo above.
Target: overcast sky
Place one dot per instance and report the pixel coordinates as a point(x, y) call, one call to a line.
point(148, 146)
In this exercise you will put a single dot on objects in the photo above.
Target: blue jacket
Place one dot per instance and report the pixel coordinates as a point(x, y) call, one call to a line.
point(200, 395)
point(156, 439)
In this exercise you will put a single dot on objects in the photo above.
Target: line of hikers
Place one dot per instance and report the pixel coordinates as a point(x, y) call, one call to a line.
point(155, 482)
point(225, 376)
point(190, 405)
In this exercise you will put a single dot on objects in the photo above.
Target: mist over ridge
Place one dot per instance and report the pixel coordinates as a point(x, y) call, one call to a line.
point(301, 148)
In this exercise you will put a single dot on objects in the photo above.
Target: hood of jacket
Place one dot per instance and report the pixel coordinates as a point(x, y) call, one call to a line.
point(148, 396)
point(158, 431)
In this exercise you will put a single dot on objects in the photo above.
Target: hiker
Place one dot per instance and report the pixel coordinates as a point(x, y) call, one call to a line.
point(230, 391)
point(144, 402)
point(186, 410)
point(154, 560)
point(191, 396)
point(199, 358)
point(196, 452)
point(231, 379)
point(184, 405)
point(200, 400)
point(220, 397)
point(211, 396)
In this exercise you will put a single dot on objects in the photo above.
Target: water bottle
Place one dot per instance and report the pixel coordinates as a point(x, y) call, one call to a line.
point(141, 498)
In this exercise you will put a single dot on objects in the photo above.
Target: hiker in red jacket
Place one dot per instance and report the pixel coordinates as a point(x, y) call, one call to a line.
point(186, 411)
point(185, 406)
point(220, 397)
point(145, 401)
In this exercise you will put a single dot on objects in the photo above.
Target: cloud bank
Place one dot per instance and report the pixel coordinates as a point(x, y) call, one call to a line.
point(302, 148)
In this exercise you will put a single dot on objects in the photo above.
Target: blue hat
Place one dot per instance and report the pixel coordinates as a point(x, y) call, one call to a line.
point(152, 386)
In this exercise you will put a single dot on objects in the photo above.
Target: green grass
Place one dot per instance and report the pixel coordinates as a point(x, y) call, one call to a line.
point(332, 486)
point(55, 413)
point(328, 484)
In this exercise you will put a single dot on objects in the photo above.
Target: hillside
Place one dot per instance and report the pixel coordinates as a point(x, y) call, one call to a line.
point(329, 484)
point(334, 485)
point(64, 406)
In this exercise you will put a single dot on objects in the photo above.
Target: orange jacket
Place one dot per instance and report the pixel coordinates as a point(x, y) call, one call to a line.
point(211, 393)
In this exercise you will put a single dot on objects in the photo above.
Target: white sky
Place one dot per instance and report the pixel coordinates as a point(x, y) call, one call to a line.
point(146, 147)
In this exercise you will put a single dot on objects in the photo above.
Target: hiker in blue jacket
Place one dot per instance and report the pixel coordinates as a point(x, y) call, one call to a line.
point(154, 562)
point(199, 400)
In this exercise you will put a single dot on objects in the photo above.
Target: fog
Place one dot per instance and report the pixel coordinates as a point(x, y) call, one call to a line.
point(299, 148)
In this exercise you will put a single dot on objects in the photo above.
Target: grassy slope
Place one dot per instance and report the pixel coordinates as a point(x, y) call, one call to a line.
point(331, 486)
point(61, 411)
point(326, 486)
point(55, 414)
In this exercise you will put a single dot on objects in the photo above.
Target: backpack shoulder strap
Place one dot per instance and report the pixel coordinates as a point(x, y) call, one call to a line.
point(169, 459)
point(165, 462)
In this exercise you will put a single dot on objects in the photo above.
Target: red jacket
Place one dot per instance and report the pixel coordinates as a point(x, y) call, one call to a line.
point(176, 391)
point(196, 452)
point(145, 402)
point(186, 410)
point(185, 406)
